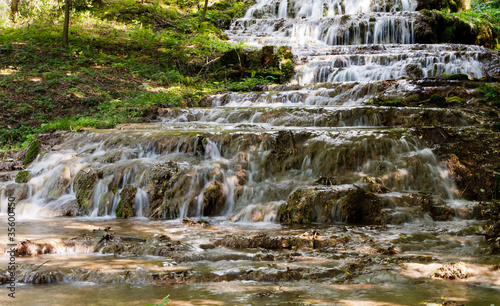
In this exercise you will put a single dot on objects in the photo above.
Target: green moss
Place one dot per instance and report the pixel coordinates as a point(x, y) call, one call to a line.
point(438, 100)
point(32, 153)
point(23, 176)
point(496, 127)
point(392, 103)
point(454, 100)
point(457, 76)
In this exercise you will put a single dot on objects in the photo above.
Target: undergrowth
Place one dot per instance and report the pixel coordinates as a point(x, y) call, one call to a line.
point(486, 14)
point(124, 58)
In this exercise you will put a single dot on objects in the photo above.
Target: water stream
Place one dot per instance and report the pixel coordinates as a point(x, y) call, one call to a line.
point(232, 167)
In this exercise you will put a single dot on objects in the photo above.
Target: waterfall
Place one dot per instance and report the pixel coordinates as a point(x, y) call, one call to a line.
point(247, 154)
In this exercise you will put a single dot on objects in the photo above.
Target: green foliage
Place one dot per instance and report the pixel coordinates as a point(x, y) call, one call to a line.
point(486, 15)
point(488, 91)
point(248, 84)
point(32, 153)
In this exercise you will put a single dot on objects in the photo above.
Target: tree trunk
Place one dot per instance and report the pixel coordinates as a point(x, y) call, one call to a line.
point(204, 11)
point(14, 6)
point(66, 22)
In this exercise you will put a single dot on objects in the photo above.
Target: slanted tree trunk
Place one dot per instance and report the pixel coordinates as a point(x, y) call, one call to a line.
point(66, 22)
point(204, 11)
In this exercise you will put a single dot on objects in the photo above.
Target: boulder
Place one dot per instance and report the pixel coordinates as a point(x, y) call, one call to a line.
point(312, 204)
point(456, 270)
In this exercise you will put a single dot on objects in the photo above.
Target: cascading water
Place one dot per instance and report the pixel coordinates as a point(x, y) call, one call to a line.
point(218, 161)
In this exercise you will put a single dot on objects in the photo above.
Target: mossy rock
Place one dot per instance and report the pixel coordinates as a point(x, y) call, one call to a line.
point(23, 176)
point(126, 207)
point(32, 152)
point(312, 204)
point(83, 185)
point(438, 100)
point(458, 76)
point(414, 71)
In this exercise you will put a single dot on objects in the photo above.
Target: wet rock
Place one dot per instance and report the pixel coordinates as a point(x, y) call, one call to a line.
point(37, 278)
point(361, 206)
point(457, 270)
point(168, 185)
point(329, 181)
point(414, 71)
point(126, 207)
point(191, 222)
point(242, 177)
point(213, 199)
point(84, 184)
point(6, 176)
point(70, 209)
point(163, 238)
point(286, 152)
point(437, 208)
point(389, 250)
point(207, 246)
point(490, 211)
point(238, 192)
point(30, 248)
point(17, 191)
point(374, 184)
point(312, 204)
point(309, 241)
point(467, 152)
